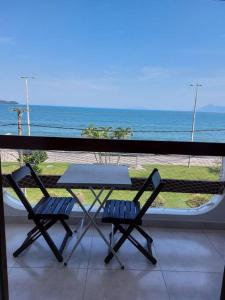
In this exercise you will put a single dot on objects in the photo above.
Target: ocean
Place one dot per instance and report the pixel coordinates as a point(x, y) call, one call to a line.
point(146, 124)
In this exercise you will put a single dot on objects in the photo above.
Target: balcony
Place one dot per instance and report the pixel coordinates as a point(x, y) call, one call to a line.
point(189, 244)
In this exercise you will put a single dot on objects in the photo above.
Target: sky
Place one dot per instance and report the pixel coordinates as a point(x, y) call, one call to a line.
point(118, 53)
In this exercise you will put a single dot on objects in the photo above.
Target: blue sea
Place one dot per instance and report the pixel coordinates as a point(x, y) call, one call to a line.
point(146, 124)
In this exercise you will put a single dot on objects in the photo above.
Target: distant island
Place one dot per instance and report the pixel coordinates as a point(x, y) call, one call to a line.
point(8, 102)
point(212, 108)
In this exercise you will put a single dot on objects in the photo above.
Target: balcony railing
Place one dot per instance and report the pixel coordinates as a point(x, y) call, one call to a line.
point(200, 179)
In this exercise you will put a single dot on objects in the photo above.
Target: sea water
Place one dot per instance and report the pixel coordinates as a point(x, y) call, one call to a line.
point(145, 124)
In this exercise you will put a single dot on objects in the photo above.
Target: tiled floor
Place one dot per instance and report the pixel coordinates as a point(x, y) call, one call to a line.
point(190, 265)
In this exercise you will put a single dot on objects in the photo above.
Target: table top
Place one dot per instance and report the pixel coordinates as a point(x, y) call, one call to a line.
point(95, 174)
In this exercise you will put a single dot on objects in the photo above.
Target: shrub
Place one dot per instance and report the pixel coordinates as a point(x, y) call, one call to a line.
point(35, 158)
point(196, 200)
point(159, 202)
point(215, 169)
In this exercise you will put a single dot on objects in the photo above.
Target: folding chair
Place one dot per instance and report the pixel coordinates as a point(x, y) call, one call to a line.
point(44, 214)
point(125, 216)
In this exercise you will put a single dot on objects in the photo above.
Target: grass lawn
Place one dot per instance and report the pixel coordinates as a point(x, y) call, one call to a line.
point(170, 200)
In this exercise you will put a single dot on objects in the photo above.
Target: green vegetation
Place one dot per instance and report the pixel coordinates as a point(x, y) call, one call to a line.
point(96, 132)
point(170, 200)
point(121, 133)
point(35, 158)
point(106, 132)
point(118, 133)
point(195, 200)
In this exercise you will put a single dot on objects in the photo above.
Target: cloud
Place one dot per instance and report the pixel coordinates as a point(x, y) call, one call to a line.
point(149, 73)
point(81, 85)
point(6, 40)
point(213, 81)
point(214, 78)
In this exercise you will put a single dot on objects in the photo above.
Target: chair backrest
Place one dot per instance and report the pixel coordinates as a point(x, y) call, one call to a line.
point(15, 179)
point(155, 180)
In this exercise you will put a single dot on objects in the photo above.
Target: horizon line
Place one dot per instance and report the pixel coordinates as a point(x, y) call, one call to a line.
point(113, 108)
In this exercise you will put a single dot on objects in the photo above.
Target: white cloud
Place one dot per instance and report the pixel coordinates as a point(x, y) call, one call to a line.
point(148, 73)
point(81, 85)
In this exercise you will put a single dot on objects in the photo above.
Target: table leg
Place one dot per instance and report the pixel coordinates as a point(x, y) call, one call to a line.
point(92, 221)
point(80, 226)
point(96, 199)
point(96, 195)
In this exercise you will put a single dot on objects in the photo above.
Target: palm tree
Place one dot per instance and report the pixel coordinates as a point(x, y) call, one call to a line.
point(89, 131)
point(97, 133)
point(121, 133)
point(106, 132)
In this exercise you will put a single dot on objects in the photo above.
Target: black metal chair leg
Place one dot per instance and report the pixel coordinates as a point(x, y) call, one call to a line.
point(115, 248)
point(26, 244)
point(32, 236)
point(35, 228)
point(48, 239)
point(118, 244)
point(37, 232)
point(52, 245)
point(67, 228)
point(143, 233)
point(32, 231)
point(147, 254)
point(64, 242)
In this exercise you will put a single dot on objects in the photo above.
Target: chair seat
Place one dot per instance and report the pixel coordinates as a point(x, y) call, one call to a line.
point(121, 211)
point(53, 207)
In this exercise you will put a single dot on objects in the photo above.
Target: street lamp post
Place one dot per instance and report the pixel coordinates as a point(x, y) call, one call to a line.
point(27, 101)
point(196, 86)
